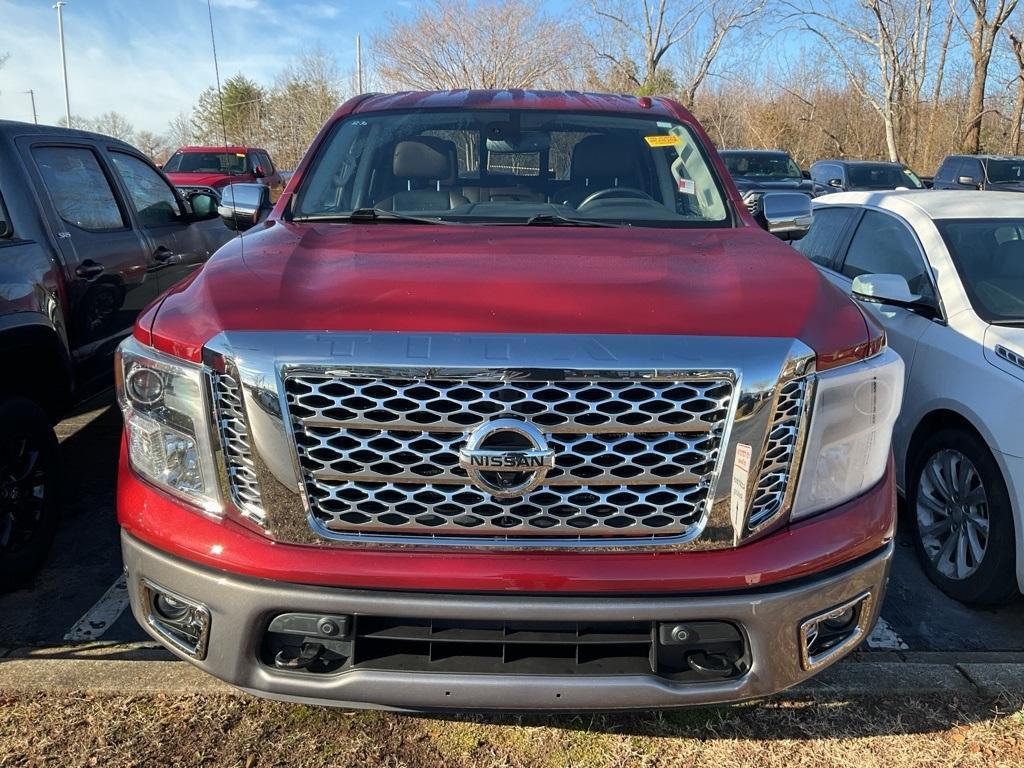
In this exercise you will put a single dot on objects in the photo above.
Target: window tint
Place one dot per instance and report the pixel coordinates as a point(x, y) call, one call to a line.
point(884, 245)
point(948, 170)
point(989, 256)
point(827, 231)
point(268, 166)
point(972, 168)
point(78, 187)
point(153, 199)
point(5, 222)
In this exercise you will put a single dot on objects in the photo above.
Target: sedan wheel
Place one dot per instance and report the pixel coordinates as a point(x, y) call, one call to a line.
point(952, 514)
point(959, 508)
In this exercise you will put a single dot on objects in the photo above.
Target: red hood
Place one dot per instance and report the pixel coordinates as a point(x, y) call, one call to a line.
point(200, 179)
point(423, 278)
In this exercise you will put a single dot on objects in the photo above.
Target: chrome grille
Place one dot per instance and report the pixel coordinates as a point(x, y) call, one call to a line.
point(783, 437)
point(234, 438)
point(753, 203)
point(634, 458)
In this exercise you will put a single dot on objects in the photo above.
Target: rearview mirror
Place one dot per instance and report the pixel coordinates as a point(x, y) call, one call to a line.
point(885, 289)
point(787, 215)
point(243, 205)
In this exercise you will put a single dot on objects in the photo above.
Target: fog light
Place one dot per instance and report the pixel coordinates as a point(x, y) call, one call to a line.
point(829, 635)
point(182, 623)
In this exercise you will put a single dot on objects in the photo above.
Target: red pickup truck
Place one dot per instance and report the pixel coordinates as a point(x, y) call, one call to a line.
point(431, 435)
point(206, 169)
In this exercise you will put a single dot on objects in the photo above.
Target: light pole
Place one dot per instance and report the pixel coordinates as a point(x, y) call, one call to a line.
point(63, 59)
point(359, 65)
point(32, 95)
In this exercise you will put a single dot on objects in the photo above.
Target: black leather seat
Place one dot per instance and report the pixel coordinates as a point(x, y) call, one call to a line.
point(422, 165)
point(599, 162)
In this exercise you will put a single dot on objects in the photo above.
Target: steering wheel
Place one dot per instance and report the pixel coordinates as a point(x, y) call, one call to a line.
point(627, 192)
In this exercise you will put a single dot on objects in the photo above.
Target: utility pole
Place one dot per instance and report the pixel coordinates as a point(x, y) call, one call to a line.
point(32, 95)
point(359, 65)
point(63, 59)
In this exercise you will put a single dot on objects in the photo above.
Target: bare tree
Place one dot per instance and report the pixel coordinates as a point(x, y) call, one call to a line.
point(980, 21)
point(180, 131)
point(1017, 46)
point(305, 94)
point(878, 45)
point(638, 40)
point(477, 44)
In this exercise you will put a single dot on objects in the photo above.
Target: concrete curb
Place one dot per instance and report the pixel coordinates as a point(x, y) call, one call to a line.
point(145, 669)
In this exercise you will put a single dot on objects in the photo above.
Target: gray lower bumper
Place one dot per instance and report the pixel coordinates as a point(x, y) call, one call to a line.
point(240, 609)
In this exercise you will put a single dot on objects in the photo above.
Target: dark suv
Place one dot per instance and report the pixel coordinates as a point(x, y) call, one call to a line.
point(981, 172)
point(756, 171)
point(863, 175)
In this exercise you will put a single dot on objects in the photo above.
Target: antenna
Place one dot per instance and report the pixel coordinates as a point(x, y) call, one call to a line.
point(359, 65)
point(63, 60)
point(216, 71)
point(32, 95)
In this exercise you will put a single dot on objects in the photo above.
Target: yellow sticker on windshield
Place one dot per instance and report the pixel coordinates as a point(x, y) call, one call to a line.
point(239, 154)
point(662, 141)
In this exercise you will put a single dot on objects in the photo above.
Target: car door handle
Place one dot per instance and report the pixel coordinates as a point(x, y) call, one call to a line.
point(89, 269)
point(165, 255)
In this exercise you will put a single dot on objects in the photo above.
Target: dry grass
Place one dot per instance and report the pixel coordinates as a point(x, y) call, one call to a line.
point(249, 733)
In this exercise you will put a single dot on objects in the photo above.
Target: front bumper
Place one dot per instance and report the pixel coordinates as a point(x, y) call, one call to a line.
point(240, 609)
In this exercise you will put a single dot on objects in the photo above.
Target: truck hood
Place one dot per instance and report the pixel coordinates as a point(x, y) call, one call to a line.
point(200, 179)
point(508, 279)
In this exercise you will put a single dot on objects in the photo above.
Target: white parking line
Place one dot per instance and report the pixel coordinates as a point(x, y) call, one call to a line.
point(884, 638)
point(99, 618)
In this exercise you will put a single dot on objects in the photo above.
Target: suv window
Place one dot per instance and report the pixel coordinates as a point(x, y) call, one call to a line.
point(79, 188)
point(883, 244)
point(821, 243)
point(152, 198)
point(948, 170)
point(5, 222)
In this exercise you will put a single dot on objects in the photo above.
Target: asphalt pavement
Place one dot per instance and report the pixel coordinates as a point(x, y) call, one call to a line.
point(77, 597)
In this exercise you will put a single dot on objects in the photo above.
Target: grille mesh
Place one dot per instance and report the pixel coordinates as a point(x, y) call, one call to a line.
point(632, 458)
point(778, 458)
point(234, 438)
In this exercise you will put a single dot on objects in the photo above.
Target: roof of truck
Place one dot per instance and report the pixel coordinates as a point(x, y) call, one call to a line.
point(231, 149)
point(516, 98)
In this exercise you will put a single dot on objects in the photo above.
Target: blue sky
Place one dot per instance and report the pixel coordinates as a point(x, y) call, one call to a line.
point(150, 59)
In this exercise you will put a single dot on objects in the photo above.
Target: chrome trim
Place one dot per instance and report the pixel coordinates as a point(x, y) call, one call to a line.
point(479, 462)
point(265, 359)
point(865, 615)
point(234, 456)
point(1010, 356)
point(155, 623)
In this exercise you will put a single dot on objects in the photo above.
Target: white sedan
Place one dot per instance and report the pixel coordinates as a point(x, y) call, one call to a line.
point(943, 272)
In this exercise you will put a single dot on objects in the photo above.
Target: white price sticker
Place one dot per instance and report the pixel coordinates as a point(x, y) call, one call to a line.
point(740, 475)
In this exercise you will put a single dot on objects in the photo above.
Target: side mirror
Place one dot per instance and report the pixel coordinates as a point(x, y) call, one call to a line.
point(258, 172)
point(243, 205)
point(203, 205)
point(969, 181)
point(787, 215)
point(837, 183)
point(885, 289)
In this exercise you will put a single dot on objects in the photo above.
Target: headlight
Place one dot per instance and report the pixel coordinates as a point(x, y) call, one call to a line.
point(165, 417)
point(855, 408)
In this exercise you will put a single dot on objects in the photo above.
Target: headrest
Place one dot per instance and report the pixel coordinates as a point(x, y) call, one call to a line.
point(424, 158)
point(602, 157)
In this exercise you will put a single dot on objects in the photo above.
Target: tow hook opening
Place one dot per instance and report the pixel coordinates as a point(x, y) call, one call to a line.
point(710, 649)
point(306, 642)
point(831, 634)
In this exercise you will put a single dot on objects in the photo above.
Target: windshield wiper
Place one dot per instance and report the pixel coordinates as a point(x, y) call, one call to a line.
point(555, 220)
point(361, 215)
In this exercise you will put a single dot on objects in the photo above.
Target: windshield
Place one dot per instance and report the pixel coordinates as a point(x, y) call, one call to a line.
point(882, 176)
point(757, 165)
point(1006, 171)
point(989, 256)
point(513, 167)
point(206, 162)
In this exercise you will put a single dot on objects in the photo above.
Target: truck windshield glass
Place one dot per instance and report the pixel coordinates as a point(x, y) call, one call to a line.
point(513, 167)
point(989, 255)
point(1006, 171)
point(757, 165)
point(206, 162)
point(882, 176)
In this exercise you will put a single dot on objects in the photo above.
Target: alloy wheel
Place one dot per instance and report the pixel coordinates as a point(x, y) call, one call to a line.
point(22, 492)
point(953, 514)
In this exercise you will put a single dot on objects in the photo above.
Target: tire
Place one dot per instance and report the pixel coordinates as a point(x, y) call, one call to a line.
point(955, 490)
point(29, 483)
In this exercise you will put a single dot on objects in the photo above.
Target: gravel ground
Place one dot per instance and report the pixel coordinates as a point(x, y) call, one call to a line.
point(89, 730)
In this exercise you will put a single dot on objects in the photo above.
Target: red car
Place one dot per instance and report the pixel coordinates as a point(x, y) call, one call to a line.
point(431, 435)
point(213, 168)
